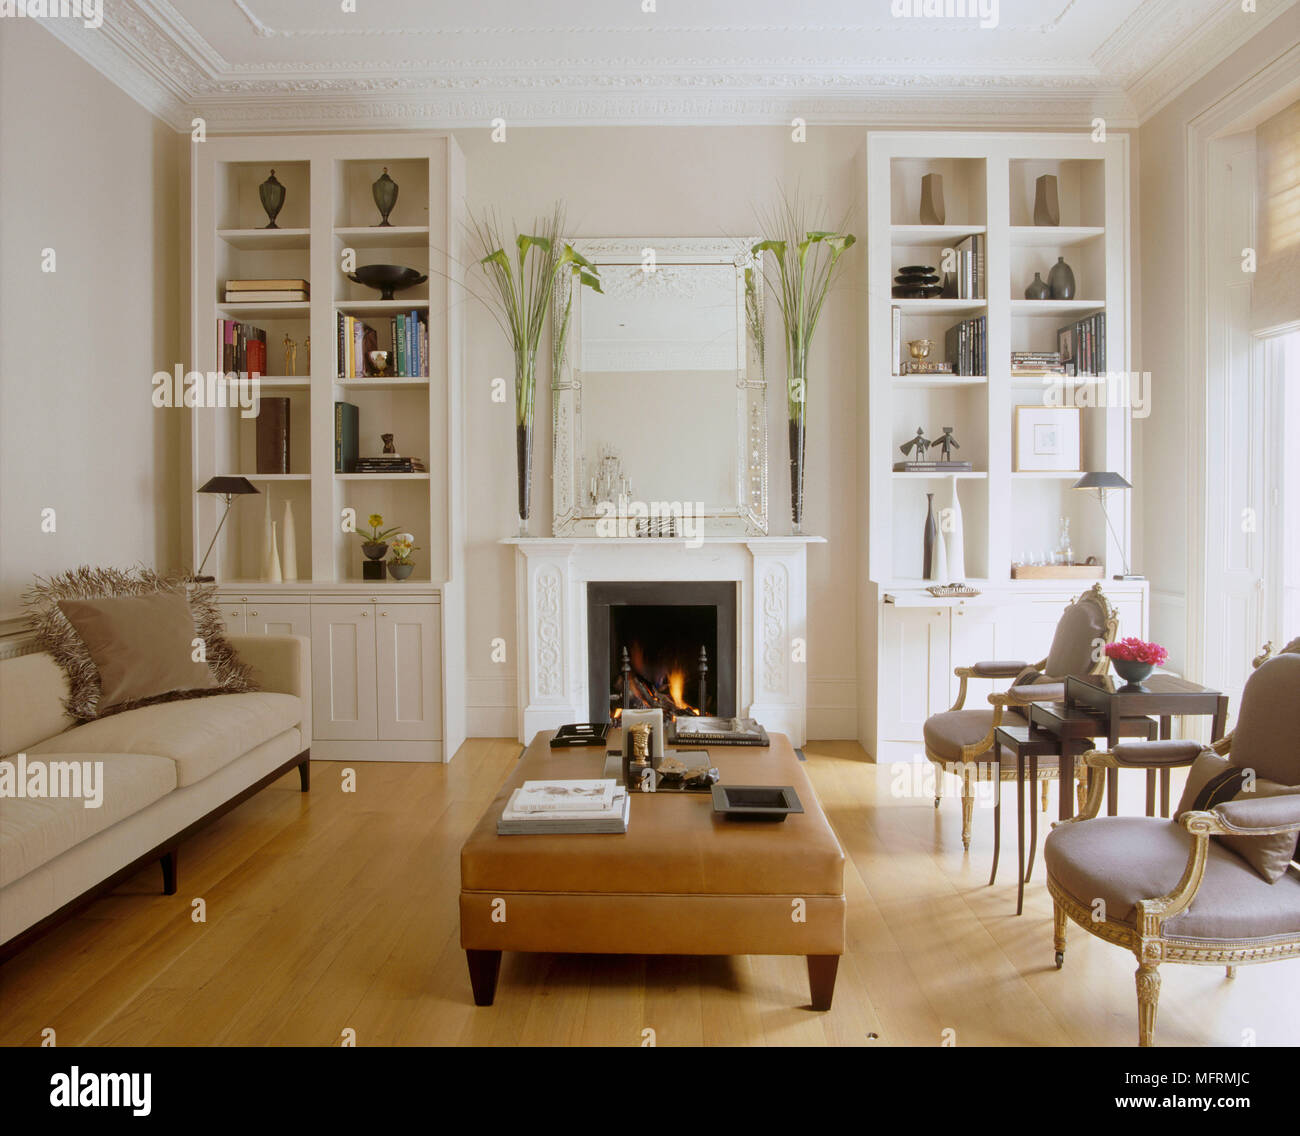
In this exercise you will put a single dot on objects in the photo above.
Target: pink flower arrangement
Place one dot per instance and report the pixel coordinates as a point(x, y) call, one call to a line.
point(1137, 651)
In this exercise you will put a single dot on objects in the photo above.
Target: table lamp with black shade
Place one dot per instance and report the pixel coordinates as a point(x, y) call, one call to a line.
point(229, 488)
point(1101, 481)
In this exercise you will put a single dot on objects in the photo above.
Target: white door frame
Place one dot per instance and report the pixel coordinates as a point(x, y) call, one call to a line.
point(1270, 89)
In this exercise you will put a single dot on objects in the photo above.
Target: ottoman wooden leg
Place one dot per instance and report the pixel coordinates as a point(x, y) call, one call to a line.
point(821, 979)
point(484, 966)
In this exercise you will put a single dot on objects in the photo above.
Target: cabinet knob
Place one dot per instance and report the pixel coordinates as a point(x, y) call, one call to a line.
point(243, 599)
point(364, 614)
point(252, 613)
point(374, 599)
point(383, 613)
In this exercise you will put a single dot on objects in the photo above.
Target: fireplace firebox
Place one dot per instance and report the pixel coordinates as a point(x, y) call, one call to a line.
point(665, 644)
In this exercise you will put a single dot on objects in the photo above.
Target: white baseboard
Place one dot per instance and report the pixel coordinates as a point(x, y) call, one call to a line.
point(833, 708)
point(329, 750)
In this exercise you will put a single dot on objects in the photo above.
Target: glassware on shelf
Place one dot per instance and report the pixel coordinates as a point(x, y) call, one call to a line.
point(1063, 546)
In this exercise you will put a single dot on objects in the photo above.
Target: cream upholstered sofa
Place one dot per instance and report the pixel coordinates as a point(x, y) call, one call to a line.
point(167, 769)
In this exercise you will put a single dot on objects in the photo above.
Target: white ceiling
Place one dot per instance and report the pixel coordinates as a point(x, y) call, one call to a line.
point(276, 64)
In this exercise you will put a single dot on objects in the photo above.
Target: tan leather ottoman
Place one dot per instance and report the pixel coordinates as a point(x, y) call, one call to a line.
point(680, 881)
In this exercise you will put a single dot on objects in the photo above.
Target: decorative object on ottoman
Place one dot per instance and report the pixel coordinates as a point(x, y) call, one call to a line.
point(1061, 280)
point(932, 209)
point(384, 191)
point(756, 802)
point(272, 194)
point(1038, 289)
point(229, 488)
point(654, 719)
point(1134, 659)
point(56, 634)
point(1047, 204)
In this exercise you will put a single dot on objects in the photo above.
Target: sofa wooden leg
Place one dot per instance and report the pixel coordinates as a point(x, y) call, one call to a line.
point(168, 863)
point(1059, 919)
point(484, 966)
point(821, 979)
point(304, 774)
point(1148, 992)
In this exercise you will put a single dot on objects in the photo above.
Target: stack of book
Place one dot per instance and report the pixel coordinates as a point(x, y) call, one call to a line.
point(408, 357)
point(389, 463)
point(1037, 363)
point(598, 806)
point(966, 281)
point(964, 343)
point(267, 291)
point(242, 347)
point(926, 367)
point(1084, 346)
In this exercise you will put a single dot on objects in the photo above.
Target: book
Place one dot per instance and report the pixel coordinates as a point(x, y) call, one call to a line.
point(346, 437)
point(265, 297)
point(720, 731)
point(236, 342)
point(267, 286)
point(273, 436)
point(399, 345)
point(607, 821)
point(926, 367)
point(572, 795)
point(932, 467)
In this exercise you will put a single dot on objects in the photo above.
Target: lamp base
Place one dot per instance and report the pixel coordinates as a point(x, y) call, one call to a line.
point(202, 579)
point(1129, 576)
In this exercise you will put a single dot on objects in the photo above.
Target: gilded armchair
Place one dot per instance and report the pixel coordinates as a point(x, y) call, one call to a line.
point(1177, 890)
point(959, 739)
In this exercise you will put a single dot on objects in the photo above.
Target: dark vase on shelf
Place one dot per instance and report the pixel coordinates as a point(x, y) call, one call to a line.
point(798, 439)
point(1047, 205)
point(400, 570)
point(1061, 280)
point(375, 550)
point(931, 538)
point(384, 191)
point(525, 378)
point(271, 193)
point(1133, 672)
point(1038, 289)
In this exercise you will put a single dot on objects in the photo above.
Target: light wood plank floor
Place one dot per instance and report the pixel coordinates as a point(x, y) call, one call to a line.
point(331, 911)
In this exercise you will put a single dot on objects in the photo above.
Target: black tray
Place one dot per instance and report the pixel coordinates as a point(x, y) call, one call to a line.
point(756, 802)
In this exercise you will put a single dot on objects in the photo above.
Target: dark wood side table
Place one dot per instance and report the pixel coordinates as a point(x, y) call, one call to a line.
point(1161, 696)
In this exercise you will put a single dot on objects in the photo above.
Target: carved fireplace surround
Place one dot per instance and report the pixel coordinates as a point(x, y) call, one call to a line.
point(551, 578)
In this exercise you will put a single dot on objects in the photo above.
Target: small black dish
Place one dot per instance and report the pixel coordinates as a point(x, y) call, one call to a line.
point(388, 278)
point(756, 802)
point(917, 268)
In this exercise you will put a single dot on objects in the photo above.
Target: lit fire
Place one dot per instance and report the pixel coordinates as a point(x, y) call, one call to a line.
point(677, 690)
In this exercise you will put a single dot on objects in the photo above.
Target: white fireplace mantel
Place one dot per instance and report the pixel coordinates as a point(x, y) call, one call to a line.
point(551, 578)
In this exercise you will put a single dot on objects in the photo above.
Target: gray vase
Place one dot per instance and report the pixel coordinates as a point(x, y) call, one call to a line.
point(1061, 280)
point(1047, 205)
point(1038, 290)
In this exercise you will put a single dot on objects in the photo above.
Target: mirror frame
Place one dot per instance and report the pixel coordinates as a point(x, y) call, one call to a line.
point(747, 515)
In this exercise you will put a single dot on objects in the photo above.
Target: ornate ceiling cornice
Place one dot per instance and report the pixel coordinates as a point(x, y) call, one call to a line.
point(154, 54)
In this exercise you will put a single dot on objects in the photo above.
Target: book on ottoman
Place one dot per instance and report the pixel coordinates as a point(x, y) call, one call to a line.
point(565, 807)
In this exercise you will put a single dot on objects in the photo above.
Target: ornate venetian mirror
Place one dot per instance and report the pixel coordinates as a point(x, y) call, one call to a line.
point(659, 392)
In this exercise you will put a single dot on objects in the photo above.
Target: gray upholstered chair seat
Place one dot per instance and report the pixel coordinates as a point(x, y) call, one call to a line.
point(946, 733)
point(1123, 859)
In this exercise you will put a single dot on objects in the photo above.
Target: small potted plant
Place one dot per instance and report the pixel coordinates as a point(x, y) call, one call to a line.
point(1134, 659)
point(375, 542)
point(400, 566)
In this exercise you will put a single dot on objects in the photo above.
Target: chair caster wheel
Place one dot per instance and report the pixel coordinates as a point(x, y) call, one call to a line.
point(1060, 959)
point(936, 802)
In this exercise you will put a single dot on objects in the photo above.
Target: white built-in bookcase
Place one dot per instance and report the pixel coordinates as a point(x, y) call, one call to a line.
point(989, 182)
point(418, 695)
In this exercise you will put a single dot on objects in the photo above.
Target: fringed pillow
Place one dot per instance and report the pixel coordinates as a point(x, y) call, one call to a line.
point(57, 635)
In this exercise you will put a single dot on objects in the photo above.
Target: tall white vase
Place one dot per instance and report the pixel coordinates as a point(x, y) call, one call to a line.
point(288, 545)
point(941, 575)
point(954, 536)
point(270, 553)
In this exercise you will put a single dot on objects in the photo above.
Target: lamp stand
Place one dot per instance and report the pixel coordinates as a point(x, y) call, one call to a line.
point(198, 577)
point(1126, 575)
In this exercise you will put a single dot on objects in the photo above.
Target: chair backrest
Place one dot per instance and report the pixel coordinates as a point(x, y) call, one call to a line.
point(1088, 619)
point(1267, 735)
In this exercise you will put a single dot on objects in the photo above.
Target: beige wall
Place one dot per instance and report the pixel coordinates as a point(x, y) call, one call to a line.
point(671, 182)
point(92, 175)
point(1162, 317)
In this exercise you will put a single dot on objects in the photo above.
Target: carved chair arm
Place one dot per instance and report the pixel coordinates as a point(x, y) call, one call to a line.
point(1152, 913)
point(1132, 755)
point(993, 669)
point(1259, 816)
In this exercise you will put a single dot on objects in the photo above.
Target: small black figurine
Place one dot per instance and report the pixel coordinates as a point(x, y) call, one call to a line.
point(389, 448)
point(945, 442)
point(919, 444)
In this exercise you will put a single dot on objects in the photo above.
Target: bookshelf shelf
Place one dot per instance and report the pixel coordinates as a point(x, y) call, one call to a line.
point(373, 236)
point(395, 383)
point(968, 475)
point(939, 307)
point(1047, 475)
point(1055, 307)
point(266, 240)
point(381, 477)
point(298, 309)
point(938, 382)
point(275, 476)
point(930, 236)
point(1055, 236)
point(280, 382)
point(380, 307)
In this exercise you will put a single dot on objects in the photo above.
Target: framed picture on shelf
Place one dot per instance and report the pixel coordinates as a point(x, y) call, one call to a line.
point(1048, 439)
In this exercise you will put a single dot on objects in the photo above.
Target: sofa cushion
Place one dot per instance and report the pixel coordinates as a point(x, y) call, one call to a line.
point(142, 646)
point(199, 736)
point(1123, 859)
point(33, 831)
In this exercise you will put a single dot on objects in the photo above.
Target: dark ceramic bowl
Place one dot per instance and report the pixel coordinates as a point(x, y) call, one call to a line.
point(1133, 672)
point(388, 278)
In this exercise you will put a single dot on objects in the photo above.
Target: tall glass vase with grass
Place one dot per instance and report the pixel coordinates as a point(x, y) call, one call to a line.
point(519, 297)
point(808, 264)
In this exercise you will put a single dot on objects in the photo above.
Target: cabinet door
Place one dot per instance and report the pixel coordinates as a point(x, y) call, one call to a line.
point(409, 671)
point(279, 619)
point(343, 671)
point(233, 614)
point(914, 670)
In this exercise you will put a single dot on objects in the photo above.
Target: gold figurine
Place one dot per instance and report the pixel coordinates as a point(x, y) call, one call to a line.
point(290, 356)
